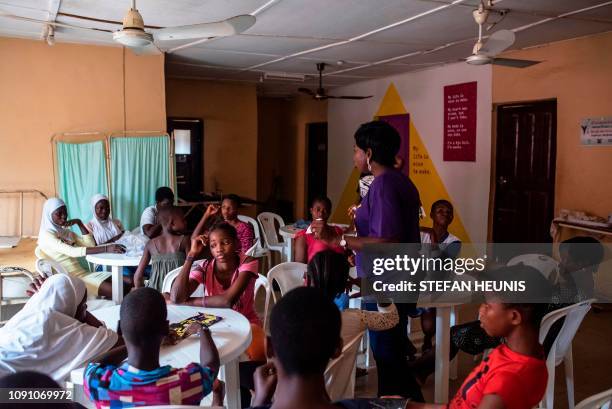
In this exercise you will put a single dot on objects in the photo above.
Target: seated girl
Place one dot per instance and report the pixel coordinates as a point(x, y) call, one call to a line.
point(442, 244)
point(320, 235)
point(104, 229)
point(229, 212)
point(57, 242)
point(167, 251)
point(228, 278)
point(54, 333)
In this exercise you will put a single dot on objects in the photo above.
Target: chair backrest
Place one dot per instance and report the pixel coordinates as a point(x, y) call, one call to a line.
point(268, 227)
point(602, 400)
point(255, 226)
point(541, 262)
point(47, 267)
point(252, 251)
point(288, 275)
point(171, 276)
point(262, 281)
point(340, 373)
point(574, 314)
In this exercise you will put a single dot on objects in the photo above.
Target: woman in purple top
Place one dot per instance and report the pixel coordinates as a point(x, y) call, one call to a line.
point(389, 213)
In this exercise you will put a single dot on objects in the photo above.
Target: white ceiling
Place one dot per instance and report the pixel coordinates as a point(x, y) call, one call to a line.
point(373, 38)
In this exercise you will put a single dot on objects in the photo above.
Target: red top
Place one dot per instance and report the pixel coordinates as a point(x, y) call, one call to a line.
point(203, 272)
point(314, 245)
point(519, 380)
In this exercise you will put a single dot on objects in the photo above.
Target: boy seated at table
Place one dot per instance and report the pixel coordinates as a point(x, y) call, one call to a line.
point(305, 335)
point(514, 374)
point(141, 381)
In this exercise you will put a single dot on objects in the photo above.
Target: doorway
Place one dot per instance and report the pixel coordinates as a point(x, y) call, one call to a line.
point(316, 140)
point(525, 165)
point(189, 152)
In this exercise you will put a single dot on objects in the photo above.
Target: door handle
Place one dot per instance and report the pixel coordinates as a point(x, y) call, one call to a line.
point(502, 180)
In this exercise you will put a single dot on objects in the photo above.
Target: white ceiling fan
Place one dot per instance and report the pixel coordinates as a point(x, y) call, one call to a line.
point(486, 52)
point(133, 35)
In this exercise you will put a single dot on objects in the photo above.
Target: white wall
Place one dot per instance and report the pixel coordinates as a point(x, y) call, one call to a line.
point(422, 93)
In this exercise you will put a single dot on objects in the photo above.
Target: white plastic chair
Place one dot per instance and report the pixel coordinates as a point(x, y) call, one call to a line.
point(340, 373)
point(171, 276)
point(288, 275)
point(541, 262)
point(561, 349)
point(602, 400)
point(46, 268)
point(268, 221)
point(257, 250)
point(262, 281)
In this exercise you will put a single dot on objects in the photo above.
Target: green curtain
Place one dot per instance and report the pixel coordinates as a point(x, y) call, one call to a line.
point(139, 165)
point(81, 174)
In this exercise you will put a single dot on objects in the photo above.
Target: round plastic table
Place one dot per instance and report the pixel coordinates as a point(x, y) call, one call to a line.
point(116, 262)
point(232, 335)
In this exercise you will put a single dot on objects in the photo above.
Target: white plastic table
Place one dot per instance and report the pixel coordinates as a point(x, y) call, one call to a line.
point(443, 366)
point(289, 232)
point(116, 262)
point(232, 335)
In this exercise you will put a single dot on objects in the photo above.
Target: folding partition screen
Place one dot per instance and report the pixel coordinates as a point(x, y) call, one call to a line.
point(138, 163)
point(138, 166)
point(81, 173)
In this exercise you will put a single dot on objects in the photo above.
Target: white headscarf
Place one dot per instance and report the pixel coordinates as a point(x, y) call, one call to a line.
point(47, 224)
point(102, 230)
point(44, 336)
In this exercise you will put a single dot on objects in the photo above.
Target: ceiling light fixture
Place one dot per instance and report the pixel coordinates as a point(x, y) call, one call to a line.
point(283, 76)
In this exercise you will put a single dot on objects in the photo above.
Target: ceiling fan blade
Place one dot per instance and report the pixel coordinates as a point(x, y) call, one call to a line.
point(306, 91)
point(510, 62)
point(150, 49)
point(498, 42)
point(51, 23)
point(231, 26)
point(349, 97)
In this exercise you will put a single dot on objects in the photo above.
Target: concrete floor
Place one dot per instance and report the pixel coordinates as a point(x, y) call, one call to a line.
point(592, 349)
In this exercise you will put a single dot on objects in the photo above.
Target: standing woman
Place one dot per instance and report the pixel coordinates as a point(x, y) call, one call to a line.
point(102, 226)
point(389, 213)
point(57, 242)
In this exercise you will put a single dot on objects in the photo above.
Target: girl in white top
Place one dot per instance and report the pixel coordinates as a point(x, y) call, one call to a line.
point(57, 242)
point(102, 226)
point(53, 333)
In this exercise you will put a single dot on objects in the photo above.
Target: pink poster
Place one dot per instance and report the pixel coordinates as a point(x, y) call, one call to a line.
point(460, 122)
point(401, 123)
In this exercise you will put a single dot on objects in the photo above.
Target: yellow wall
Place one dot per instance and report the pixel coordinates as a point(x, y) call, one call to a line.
point(578, 74)
point(229, 112)
point(282, 144)
point(66, 88)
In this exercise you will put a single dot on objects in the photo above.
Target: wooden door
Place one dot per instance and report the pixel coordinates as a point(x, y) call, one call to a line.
point(525, 172)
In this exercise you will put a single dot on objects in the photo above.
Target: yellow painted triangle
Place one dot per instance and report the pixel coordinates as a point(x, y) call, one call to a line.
point(422, 172)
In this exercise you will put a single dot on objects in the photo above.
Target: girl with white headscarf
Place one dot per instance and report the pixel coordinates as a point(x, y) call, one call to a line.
point(53, 333)
point(104, 228)
point(57, 242)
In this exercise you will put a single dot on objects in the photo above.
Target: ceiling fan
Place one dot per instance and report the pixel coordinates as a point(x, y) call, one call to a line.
point(499, 41)
point(320, 94)
point(133, 35)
